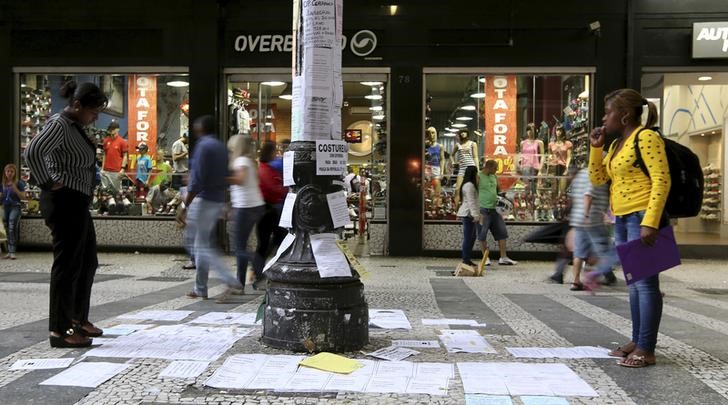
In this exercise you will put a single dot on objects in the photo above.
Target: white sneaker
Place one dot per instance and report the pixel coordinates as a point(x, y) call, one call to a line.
point(505, 261)
point(487, 261)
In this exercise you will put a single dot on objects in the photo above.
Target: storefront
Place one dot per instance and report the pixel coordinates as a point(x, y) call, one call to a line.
point(401, 77)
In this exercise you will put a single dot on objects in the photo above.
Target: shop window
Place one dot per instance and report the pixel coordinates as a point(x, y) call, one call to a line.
point(259, 104)
point(534, 126)
point(692, 111)
point(136, 136)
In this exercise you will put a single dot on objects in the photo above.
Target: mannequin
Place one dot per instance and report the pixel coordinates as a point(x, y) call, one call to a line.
point(465, 153)
point(435, 163)
point(531, 154)
point(116, 152)
point(560, 150)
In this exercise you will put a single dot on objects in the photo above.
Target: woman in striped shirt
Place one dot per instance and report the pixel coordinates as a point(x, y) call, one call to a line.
point(62, 160)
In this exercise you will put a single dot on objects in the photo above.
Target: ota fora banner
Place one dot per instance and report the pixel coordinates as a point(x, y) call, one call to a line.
point(500, 126)
point(142, 105)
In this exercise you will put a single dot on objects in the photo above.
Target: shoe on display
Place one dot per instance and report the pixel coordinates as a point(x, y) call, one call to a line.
point(505, 261)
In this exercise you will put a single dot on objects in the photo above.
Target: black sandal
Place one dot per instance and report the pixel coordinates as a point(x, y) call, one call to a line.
point(577, 287)
point(61, 342)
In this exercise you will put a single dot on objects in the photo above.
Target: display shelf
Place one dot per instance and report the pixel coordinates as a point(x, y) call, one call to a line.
point(711, 208)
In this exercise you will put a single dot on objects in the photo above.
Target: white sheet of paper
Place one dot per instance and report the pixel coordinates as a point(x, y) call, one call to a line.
point(275, 372)
point(388, 319)
point(89, 375)
point(331, 157)
point(157, 315)
point(184, 369)
point(42, 364)
point(393, 353)
point(578, 352)
point(98, 341)
point(434, 370)
point(329, 259)
point(422, 344)
point(227, 318)
point(397, 385)
point(285, 244)
point(464, 341)
point(287, 212)
point(297, 109)
point(395, 369)
point(480, 399)
point(307, 380)
point(350, 383)
point(288, 169)
point(543, 400)
point(125, 329)
point(452, 321)
point(338, 209)
point(427, 386)
point(237, 371)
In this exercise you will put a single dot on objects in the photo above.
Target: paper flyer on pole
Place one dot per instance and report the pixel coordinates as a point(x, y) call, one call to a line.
point(329, 259)
point(331, 157)
point(287, 211)
point(338, 209)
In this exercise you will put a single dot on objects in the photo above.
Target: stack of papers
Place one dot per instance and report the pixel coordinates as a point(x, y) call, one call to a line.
point(522, 379)
point(258, 371)
point(465, 341)
point(578, 352)
point(175, 316)
point(393, 353)
point(173, 342)
point(227, 318)
point(388, 319)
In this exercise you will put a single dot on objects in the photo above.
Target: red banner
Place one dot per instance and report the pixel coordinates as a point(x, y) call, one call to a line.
point(500, 126)
point(142, 103)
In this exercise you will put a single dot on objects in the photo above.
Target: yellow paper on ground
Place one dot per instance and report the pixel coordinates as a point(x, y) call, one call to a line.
point(331, 362)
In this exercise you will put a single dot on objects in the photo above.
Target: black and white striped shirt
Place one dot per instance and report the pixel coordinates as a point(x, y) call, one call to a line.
point(61, 152)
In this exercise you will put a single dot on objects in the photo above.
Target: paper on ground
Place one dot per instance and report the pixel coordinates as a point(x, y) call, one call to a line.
point(480, 399)
point(275, 372)
point(285, 244)
point(331, 362)
point(522, 379)
point(464, 341)
point(388, 319)
point(307, 380)
point(158, 315)
point(542, 400)
point(41, 364)
point(89, 375)
point(237, 371)
point(431, 386)
point(329, 259)
point(287, 212)
point(422, 344)
point(125, 329)
point(98, 341)
point(578, 352)
point(452, 321)
point(393, 353)
point(227, 318)
point(184, 369)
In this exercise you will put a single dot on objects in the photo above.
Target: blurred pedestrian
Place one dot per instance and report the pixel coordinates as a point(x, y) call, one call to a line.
point(206, 201)
point(13, 191)
point(638, 203)
point(62, 160)
point(469, 212)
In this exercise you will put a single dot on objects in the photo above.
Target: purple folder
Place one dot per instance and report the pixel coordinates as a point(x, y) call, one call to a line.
point(640, 261)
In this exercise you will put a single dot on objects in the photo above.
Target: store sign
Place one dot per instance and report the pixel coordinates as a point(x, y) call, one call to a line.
point(362, 43)
point(331, 157)
point(142, 107)
point(500, 123)
point(710, 40)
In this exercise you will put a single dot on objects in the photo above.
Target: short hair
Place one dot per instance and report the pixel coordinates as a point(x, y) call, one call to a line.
point(87, 94)
point(491, 163)
point(112, 126)
point(206, 124)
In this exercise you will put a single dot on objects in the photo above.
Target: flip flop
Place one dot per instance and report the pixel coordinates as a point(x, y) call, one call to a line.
point(616, 352)
point(638, 361)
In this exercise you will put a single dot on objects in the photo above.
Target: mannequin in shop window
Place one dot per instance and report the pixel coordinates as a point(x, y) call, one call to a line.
point(531, 153)
point(435, 163)
point(560, 160)
point(465, 154)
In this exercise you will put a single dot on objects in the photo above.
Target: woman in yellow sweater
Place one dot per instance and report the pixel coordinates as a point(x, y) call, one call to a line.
point(638, 202)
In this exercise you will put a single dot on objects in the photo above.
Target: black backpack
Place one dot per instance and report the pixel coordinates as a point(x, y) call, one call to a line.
point(686, 174)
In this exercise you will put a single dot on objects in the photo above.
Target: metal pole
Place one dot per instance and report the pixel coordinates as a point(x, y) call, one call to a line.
point(305, 311)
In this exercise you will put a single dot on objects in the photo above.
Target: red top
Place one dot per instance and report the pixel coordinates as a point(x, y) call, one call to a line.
point(114, 150)
point(271, 184)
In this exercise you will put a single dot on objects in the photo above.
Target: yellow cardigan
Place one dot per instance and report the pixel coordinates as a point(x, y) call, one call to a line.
point(631, 190)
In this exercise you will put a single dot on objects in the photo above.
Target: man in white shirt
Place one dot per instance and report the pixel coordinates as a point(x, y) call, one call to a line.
point(180, 160)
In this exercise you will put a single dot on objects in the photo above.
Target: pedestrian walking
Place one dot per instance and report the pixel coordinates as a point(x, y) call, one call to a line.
point(206, 201)
point(13, 191)
point(62, 160)
point(469, 212)
point(490, 219)
point(638, 203)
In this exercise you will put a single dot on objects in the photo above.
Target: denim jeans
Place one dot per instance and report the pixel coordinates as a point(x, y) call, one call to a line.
point(469, 231)
point(245, 220)
point(202, 216)
point(645, 298)
point(12, 225)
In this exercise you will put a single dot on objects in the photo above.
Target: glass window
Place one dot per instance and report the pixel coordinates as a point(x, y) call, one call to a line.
point(691, 110)
point(259, 104)
point(137, 136)
point(533, 126)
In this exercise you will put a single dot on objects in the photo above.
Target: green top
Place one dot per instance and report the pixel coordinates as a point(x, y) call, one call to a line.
point(487, 190)
point(162, 174)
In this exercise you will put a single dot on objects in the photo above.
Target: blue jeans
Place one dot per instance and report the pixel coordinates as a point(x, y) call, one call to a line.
point(245, 220)
point(12, 225)
point(202, 216)
point(469, 231)
point(645, 298)
point(601, 246)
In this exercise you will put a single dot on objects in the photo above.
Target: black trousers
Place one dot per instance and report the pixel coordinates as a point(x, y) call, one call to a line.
point(75, 261)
